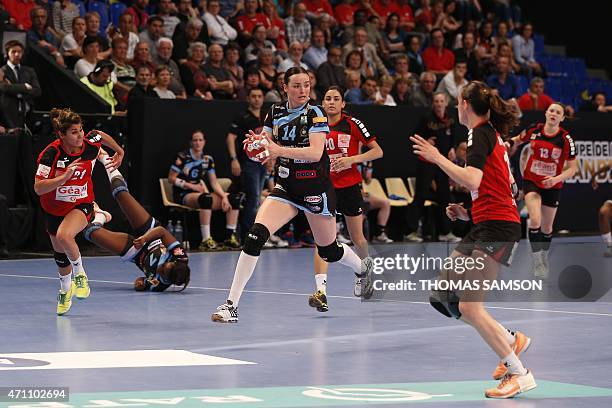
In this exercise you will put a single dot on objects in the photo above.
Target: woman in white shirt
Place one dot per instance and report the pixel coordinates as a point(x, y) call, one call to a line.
point(219, 30)
point(72, 43)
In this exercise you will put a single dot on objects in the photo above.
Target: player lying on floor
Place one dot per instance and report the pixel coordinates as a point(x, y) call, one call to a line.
point(156, 252)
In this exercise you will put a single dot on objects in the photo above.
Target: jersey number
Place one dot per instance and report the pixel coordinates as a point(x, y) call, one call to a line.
point(79, 174)
point(330, 145)
point(289, 134)
point(543, 153)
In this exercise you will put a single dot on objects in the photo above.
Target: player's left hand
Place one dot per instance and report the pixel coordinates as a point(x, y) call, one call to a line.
point(225, 204)
point(113, 163)
point(548, 182)
point(274, 150)
point(341, 163)
point(424, 149)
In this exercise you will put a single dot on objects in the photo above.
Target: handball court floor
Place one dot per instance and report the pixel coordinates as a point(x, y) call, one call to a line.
point(123, 348)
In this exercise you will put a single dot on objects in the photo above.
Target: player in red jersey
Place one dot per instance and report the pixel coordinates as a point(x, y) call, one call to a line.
point(496, 229)
point(551, 149)
point(63, 182)
point(343, 144)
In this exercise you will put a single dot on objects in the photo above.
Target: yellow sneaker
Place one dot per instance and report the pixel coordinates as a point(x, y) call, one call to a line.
point(521, 344)
point(82, 286)
point(318, 300)
point(209, 245)
point(64, 300)
point(511, 385)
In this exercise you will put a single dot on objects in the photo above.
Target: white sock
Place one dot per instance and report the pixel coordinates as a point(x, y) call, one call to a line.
point(99, 218)
point(607, 238)
point(244, 271)
point(514, 365)
point(65, 282)
point(351, 259)
point(205, 231)
point(77, 265)
point(509, 335)
point(321, 280)
point(231, 227)
point(105, 157)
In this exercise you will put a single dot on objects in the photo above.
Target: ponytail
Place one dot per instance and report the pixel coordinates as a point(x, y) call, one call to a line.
point(502, 115)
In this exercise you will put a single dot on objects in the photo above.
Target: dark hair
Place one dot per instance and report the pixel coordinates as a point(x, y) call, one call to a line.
point(503, 115)
point(435, 30)
point(293, 71)
point(562, 105)
point(348, 57)
point(179, 274)
point(153, 19)
point(63, 119)
point(12, 44)
point(90, 39)
point(370, 78)
point(251, 71)
point(255, 88)
point(161, 68)
point(196, 131)
point(102, 65)
point(387, 28)
point(335, 88)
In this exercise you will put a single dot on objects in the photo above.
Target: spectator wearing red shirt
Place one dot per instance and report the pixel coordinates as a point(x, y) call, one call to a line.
point(19, 10)
point(385, 7)
point(276, 33)
point(344, 13)
point(246, 22)
point(424, 17)
point(406, 15)
point(139, 12)
point(316, 8)
point(535, 98)
point(438, 59)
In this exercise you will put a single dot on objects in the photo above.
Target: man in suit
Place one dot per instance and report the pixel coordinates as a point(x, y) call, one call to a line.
point(18, 87)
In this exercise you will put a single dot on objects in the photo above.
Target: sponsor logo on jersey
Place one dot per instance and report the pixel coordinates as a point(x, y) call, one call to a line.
point(279, 187)
point(303, 120)
point(313, 199)
point(302, 161)
point(61, 164)
point(556, 153)
point(95, 137)
point(344, 140)
point(283, 172)
point(70, 194)
point(43, 171)
point(319, 119)
point(305, 174)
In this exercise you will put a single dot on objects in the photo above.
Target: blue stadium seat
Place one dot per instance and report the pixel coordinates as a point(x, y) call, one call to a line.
point(102, 10)
point(538, 41)
point(580, 70)
point(552, 87)
point(523, 84)
point(116, 9)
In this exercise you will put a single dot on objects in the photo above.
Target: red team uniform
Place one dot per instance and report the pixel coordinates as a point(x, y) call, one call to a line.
point(344, 140)
point(548, 156)
point(75, 193)
point(497, 226)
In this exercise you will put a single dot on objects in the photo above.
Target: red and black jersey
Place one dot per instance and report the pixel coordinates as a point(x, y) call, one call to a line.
point(548, 154)
point(52, 163)
point(493, 201)
point(344, 140)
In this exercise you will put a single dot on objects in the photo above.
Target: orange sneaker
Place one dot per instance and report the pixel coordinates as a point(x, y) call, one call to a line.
point(511, 385)
point(521, 344)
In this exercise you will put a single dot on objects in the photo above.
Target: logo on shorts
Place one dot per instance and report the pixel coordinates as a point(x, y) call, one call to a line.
point(313, 199)
point(305, 174)
point(314, 208)
point(283, 172)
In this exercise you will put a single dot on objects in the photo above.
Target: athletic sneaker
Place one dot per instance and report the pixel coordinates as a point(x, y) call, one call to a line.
point(64, 299)
point(209, 245)
point(82, 286)
point(232, 243)
point(225, 313)
point(318, 300)
point(364, 285)
point(450, 237)
point(343, 239)
point(521, 344)
point(277, 241)
point(511, 385)
point(269, 244)
point(413, 237)
point(382, 239)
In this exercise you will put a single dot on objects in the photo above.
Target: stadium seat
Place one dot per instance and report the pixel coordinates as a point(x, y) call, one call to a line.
point(225, 183)
point(552, 87)
point(374, 188)
point(538, 41)
point(523, 84)
point(81, 6)
point(102, 10)
point(116, 9)
point(396, 188)
point(166, 194)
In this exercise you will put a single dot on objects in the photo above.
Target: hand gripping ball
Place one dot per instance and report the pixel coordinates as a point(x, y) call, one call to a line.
point(257, 150)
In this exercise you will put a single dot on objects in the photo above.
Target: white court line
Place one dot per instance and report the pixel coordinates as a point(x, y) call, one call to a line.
point(329, 296)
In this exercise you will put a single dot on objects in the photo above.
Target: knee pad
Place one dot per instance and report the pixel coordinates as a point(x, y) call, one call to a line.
point(447, 303)
point(118, 185)
point(90, 229)
point(255, 239)
point(205, 201)
point(235, 200)
point(61, 259)
point(150, 224)
point(331, 253)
